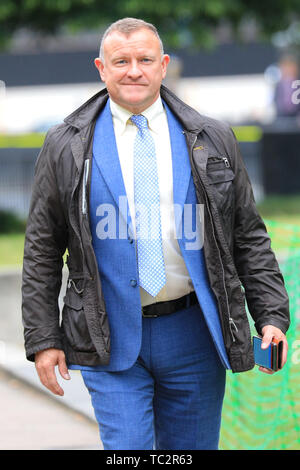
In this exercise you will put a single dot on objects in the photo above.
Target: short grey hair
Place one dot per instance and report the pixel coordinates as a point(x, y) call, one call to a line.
point(127, 26)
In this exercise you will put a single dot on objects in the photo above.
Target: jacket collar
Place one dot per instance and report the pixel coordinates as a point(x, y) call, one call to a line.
point(191, 120)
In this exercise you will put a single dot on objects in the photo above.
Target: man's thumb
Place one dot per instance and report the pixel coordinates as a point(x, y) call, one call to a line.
point(62, 367)
point(267, 338)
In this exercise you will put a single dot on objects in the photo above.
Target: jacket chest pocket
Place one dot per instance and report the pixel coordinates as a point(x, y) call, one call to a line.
point(218, 170)
point(220, 178)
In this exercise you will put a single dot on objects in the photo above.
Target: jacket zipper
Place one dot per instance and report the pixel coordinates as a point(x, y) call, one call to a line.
point(84, 212)
point(73, 220)
point(231, 321)
point(72, 283)
point(225, 160)
point(84, 185)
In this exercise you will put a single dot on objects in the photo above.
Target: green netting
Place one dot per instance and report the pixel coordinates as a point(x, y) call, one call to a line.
point(263, 411)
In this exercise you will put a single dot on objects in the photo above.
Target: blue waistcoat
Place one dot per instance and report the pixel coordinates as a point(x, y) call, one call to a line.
point(115, 251)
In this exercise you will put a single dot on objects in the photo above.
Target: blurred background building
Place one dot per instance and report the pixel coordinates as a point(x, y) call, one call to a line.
point(227, 83)
point(222, 65)
point(228, 73)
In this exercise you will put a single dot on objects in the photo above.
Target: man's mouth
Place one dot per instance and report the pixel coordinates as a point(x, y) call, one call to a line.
point(135, 84)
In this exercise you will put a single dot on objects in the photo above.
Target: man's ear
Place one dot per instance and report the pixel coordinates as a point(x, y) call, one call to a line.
point(100, 67)
point(164, 63)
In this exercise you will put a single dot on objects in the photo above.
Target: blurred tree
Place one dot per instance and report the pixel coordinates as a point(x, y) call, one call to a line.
point(180, 22)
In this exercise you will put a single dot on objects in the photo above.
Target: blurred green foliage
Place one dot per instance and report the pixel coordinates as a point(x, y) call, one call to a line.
point(32, 140)
point(11, 249)
point(188, 22)
point(280, 205)
point(11, 223)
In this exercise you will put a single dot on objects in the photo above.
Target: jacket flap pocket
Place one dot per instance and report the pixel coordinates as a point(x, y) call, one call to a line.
point(73, 300)
point(219, 170)
point(219, 175)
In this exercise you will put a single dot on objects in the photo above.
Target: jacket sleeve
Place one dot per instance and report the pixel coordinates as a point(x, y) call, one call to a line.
point(45, 244)
point(257, 267)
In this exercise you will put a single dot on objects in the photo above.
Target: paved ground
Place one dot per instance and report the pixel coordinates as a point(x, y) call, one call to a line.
point(32, 420)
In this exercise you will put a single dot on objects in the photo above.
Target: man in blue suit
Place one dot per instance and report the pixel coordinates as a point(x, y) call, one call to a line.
point(170, 316)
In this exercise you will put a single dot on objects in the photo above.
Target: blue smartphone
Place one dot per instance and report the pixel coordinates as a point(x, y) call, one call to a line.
point(262, 357)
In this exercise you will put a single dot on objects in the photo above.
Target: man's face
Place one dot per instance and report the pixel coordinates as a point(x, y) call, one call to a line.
point(133, 68)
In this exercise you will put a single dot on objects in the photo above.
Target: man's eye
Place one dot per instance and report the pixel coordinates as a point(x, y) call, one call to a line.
point(121, 62)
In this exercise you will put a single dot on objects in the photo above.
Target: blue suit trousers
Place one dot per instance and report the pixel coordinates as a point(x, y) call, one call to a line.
point(171, 398)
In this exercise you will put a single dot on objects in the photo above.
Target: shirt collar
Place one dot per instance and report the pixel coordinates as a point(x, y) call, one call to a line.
point(121, 115)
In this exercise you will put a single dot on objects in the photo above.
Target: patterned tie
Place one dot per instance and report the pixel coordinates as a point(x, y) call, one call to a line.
point(152, 276)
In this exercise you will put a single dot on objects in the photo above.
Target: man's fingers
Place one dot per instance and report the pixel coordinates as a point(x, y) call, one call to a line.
point(52, 383)
point(42, 376)
point(45, 362)
point(62, 367)
point(266, 371)
point(48, 378)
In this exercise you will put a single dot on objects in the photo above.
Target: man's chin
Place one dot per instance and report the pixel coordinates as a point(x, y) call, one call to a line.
point(135, 101)
point(135, 95)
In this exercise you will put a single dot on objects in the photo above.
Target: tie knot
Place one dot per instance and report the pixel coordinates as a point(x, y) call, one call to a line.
point(140, 121)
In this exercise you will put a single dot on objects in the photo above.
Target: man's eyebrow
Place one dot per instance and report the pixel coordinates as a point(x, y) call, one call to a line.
point(119, 56)
point(146, 54)
point(140, 54)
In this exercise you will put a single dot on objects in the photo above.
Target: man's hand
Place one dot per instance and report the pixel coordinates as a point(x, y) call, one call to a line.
point(268, 333)
point(45, 362)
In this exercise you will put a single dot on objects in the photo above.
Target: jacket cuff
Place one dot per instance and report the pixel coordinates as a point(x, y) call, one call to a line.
point(283, 326)
point(31, 350)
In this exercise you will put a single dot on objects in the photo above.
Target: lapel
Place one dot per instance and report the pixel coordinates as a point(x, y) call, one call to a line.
point(180, 163)
point(105, 153)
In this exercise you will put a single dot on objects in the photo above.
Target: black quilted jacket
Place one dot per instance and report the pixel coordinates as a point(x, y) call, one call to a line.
point(237, 251)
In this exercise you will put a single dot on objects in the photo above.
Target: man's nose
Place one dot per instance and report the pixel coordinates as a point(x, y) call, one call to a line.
point(134, 71)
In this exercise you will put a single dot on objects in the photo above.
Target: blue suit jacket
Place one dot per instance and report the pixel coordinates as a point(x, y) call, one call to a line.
point(115, 252)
